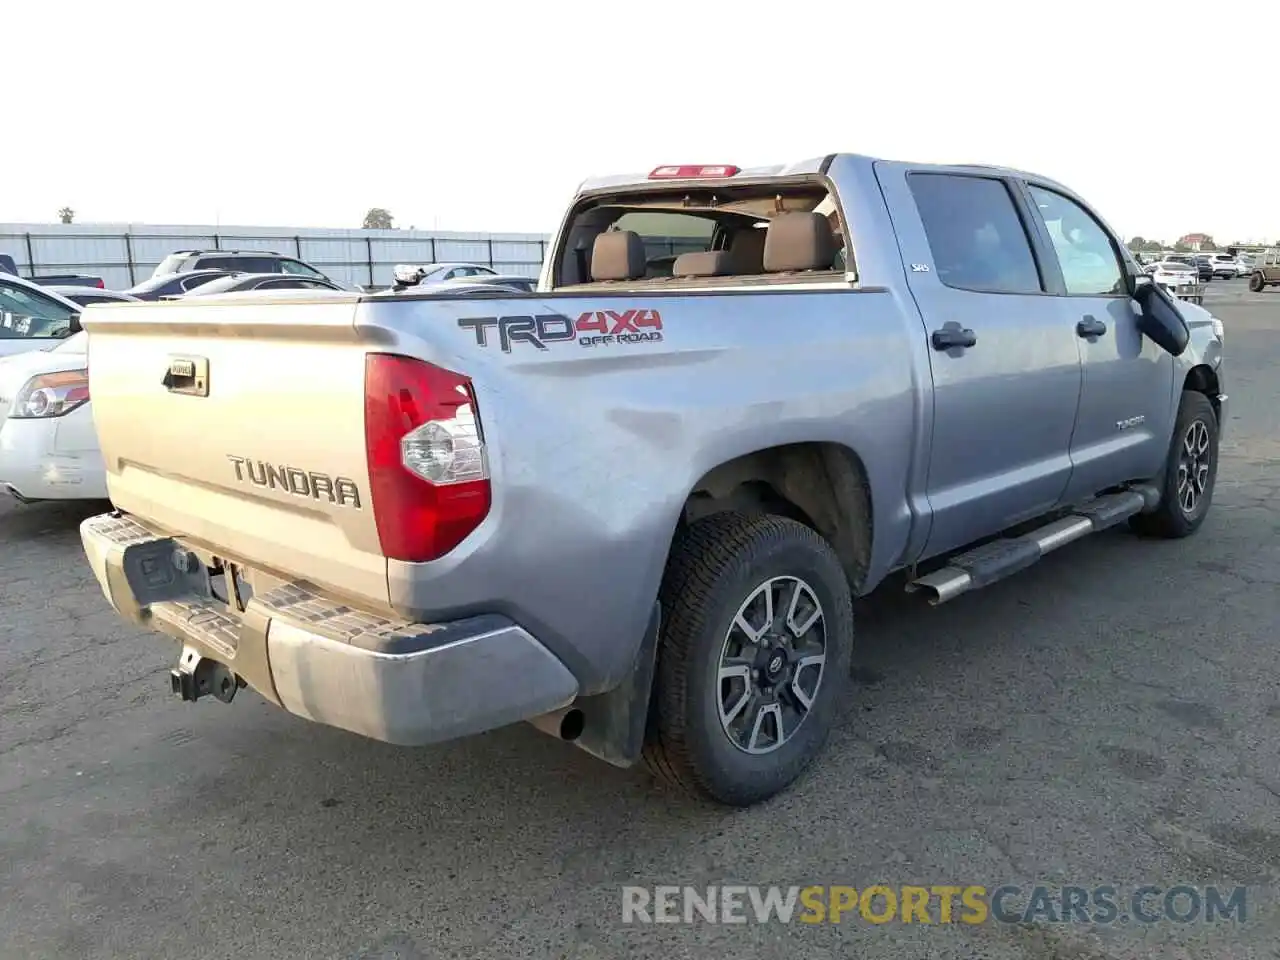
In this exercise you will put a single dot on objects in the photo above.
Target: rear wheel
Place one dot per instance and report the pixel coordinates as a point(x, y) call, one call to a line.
point(753, 665)
point(1190, 472)
point(1256, 283)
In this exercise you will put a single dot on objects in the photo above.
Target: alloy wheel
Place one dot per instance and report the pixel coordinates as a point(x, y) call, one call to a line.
point(1193, 467)
point(771, 665)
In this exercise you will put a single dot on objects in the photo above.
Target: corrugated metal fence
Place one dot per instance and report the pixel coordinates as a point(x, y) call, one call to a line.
point(125, 254)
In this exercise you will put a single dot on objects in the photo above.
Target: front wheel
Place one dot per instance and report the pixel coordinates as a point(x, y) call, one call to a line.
point(1190, 472)
point(757, 637)
point(1256, 283)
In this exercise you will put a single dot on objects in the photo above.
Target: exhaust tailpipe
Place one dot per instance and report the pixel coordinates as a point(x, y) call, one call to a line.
point(567, 723)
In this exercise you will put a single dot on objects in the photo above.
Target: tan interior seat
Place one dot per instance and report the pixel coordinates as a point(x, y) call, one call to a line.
point(797, 242)
point(709, 263)
point(618, 255)
point(746, 250)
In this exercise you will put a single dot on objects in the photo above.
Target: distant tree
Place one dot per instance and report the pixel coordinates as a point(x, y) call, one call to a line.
point(1181, 247)
point(66, 214)
point(1137, 243)
point(378, 218)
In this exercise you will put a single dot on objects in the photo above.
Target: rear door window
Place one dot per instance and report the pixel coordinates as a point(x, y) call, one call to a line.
point(298, 268)
point(976, 236)
point(241, 264)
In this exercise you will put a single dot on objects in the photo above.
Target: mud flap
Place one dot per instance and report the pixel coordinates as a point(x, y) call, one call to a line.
point(614, 723)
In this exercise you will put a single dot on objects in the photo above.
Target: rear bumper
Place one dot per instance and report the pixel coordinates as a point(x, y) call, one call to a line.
point(319, 658)
point(34, 465)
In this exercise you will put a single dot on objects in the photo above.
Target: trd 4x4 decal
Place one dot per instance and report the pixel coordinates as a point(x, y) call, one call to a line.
point(595, 328)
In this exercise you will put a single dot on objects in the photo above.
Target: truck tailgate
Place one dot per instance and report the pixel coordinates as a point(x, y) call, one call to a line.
point(240, 426)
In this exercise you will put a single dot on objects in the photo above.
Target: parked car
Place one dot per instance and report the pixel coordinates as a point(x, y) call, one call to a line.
point(467, 286)
point(237, 261)
point(48, 447)
point(1266, 270)
point(33, 317)
point(1180, 279)
point(236, 282)
point(1224, 266)
point(1203, 267)
point(509, 281)
point(636, 516)
point(87, 295)
point(425, 274)
point(9, 266)
point(174, 284)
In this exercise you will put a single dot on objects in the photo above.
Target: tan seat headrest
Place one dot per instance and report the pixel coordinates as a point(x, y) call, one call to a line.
point(710, 263)
point(618, 255)
point(798, 241)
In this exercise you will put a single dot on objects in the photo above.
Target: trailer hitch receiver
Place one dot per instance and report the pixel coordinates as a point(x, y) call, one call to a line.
point(196, 676)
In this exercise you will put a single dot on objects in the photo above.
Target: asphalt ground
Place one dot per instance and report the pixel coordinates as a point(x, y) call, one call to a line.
point(1110, 716)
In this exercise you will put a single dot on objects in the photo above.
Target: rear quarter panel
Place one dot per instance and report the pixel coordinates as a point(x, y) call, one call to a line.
point(594, 449)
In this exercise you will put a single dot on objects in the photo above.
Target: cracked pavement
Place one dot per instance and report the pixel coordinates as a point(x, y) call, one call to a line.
point(1111, 715)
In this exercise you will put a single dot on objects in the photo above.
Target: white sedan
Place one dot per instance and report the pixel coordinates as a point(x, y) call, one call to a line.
point(1180, 279)
point(48, 446)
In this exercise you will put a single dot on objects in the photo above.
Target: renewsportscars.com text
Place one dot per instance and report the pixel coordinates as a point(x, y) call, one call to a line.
point(934, 904)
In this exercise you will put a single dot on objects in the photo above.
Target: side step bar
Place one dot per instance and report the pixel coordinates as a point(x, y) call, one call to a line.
point(994, 561)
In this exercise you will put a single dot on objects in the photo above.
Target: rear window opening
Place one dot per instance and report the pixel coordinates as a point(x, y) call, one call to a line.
point(718, 234)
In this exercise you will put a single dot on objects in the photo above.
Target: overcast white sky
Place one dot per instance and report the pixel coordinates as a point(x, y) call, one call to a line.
point(485, 116)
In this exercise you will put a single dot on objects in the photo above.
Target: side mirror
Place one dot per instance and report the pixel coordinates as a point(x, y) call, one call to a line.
point(1160, 318)
point(75, 324)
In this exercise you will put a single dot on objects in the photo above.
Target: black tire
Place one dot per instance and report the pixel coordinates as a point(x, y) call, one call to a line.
point(716, 565)
point(1172, 520)
point(1256, 283)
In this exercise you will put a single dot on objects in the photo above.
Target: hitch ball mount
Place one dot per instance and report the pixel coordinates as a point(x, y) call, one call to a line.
point(196, 676)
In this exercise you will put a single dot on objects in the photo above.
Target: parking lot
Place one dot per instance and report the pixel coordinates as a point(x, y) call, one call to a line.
point(1111, 716)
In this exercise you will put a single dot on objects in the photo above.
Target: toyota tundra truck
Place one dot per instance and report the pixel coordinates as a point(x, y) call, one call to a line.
point(633, 506)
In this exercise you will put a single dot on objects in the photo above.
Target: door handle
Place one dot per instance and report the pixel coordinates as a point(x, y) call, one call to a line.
point(950, 337)
point(1090, 327)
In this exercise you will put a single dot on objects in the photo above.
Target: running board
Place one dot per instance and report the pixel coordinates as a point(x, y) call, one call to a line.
point(994, 561)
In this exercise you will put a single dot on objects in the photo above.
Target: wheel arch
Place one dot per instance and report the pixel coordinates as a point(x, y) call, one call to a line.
point(822, 484)
point(1202, 378)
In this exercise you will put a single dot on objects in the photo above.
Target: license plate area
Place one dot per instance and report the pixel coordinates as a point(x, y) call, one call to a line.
point(159, 571)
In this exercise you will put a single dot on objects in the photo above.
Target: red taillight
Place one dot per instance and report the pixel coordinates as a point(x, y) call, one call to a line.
point(428, 471)
point(100, 284)
point(693, 172)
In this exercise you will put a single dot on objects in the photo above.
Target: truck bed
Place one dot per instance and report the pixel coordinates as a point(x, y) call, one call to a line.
point(599, 413)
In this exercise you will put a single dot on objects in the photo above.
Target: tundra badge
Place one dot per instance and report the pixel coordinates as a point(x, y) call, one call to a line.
point(301, 483)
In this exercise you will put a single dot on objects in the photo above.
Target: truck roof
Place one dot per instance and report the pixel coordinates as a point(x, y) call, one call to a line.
point(811, 165)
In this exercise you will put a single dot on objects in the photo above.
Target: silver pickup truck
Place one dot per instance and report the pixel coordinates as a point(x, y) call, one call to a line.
point(633, 506)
